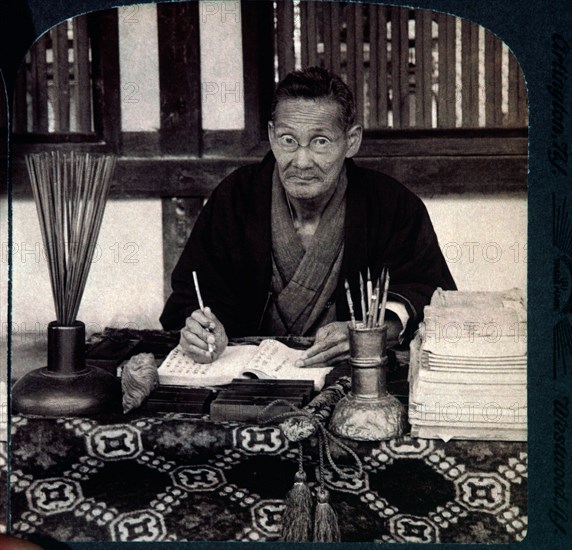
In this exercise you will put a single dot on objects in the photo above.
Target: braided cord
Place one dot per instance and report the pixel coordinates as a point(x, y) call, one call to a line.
point(324, 437)
point(300, 458)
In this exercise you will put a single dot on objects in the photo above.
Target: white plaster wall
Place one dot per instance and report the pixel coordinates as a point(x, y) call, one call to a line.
point(483, 239)
point(139, 68)
point(125, 283)
point(222, 82)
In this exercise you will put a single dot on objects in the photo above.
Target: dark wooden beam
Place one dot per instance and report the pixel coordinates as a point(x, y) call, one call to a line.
point(429, 176)
point(446, 116)
point(81, 72)
point(470, 73)
point(179, 78)
point(224, 144)
point(284, 37)
point(20, 112)
point(141, 144)
point(39, 85)
point(104, 36)
point(192, 177)
point(390, 143)
point(258, 55)
point(61, 76)
point(445, 146)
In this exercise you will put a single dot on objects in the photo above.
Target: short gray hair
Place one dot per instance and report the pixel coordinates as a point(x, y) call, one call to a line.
point(317, 83)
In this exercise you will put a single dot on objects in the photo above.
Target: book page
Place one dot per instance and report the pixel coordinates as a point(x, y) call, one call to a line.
point(179, 369)
point(276, 360)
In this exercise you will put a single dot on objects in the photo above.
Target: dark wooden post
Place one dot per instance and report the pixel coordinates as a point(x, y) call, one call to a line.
point(179, 78)
point(258, 56)
point(103, 30)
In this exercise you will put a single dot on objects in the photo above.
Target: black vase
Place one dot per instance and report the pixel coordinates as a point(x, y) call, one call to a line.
point(66, 387)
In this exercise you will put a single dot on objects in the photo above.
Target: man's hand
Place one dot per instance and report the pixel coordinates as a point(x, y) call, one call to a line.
point(331, 346)
point(201, 330)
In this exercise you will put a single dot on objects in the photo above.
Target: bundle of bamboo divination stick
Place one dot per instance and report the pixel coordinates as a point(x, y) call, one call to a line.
point(70, 191)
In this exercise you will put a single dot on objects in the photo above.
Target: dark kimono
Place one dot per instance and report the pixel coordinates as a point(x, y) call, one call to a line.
point(231, 250)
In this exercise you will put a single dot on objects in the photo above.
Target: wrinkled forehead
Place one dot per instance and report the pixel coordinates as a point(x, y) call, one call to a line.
point(308, 114)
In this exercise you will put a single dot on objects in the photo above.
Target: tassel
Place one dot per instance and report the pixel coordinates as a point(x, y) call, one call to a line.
point(297, 518)
point(326, 528)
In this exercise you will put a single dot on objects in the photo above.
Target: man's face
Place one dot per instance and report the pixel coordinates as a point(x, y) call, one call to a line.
point(310, 146)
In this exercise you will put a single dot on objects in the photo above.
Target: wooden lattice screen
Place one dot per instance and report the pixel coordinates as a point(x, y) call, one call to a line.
point(54, 92)
point(406, 68)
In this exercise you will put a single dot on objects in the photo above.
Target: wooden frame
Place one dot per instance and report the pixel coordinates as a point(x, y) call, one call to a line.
point(429, 161)
point(483, 162)
point(103, 30)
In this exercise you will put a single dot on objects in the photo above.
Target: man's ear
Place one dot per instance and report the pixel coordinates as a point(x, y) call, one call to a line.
point(270, 127)
point(355, 134)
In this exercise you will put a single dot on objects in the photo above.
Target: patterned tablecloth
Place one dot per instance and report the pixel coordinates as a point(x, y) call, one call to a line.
point(177, 477)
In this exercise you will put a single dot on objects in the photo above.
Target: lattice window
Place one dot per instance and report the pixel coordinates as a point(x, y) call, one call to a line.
point(54, 87)
point(407, 68)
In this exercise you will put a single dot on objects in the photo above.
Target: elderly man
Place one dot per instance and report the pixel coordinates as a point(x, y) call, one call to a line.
point(276, 240)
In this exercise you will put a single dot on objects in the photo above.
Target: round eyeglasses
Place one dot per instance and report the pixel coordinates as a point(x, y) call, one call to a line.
point(318, 145)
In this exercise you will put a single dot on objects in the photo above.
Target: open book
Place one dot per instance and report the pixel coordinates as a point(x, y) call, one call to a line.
point(270, 359)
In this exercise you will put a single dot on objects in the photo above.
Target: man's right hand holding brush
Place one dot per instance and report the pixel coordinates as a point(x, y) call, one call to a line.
point(201, 333)
point(203, 337)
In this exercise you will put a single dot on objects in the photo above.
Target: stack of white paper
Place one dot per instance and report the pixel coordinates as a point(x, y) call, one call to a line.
point(467, 377)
